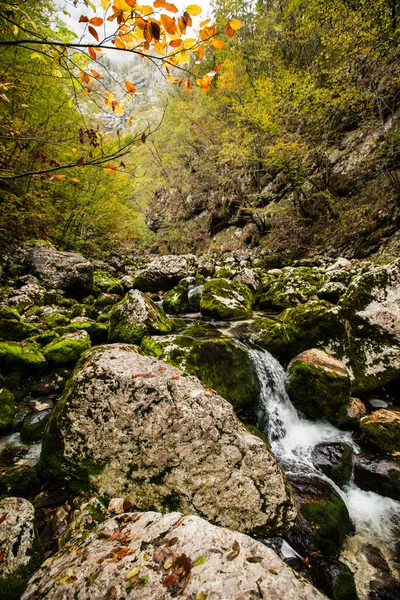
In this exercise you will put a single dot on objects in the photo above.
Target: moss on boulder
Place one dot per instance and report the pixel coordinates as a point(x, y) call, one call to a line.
point(382, 429)
point(289, 287)
point(23, 357)
point(371, 305)
point(20, 480)
point(219, 363)
point(319, 385)
point(7, 410)
point(67, 349)
point(185, 297)
point(226, 300)
point(16, 330)
point(136, 316)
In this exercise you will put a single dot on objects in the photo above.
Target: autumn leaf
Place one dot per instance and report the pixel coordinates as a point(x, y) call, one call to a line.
point(93, 32)
point(188, 84)
point(235, 24)
point(170, 7)
point(96, 21)
point(105, 4)
point(169, 24)
point(83, 19)
point(96, 74)
point(121, 553)
point(170, 79)
point(217, 44)
point(130, 87)
point(143, 138)
point(118, 43)
point(229, 31)
point(201, 559)
point(80, 162)
point(194, 10)
point(175, 43)
point(92, 52)
point(155, 30)
point(200, 52)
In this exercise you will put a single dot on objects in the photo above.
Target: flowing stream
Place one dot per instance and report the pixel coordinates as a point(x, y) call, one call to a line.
point(292, 438)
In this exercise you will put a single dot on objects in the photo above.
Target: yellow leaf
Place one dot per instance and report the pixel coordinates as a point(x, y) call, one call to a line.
point(132, 573)
point(118, 43)
point(144, 10)
point(119, 110)
point(15, 30)
point(204, 23)
point(62, 580)
point(170, 79)
point(159, 47)
point(184, 57)
point(194, 10)
point(168, 563)
point(75, 179)
point(105, 4)
point(217, 43)
point(236, 24)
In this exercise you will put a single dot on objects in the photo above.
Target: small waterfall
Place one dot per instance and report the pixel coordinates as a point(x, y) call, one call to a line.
point(292, 438)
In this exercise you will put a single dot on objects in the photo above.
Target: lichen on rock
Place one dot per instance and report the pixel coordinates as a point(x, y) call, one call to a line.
point(131, 426)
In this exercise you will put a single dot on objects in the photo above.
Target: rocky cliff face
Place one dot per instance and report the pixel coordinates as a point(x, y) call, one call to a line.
point(347, 201)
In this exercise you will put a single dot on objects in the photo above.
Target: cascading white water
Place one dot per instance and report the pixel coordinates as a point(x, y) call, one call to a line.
point(292, 438)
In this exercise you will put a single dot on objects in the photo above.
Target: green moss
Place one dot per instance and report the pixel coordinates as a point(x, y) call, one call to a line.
point(220, 364)
point(44, 338)
point(68, 349)
point(150, 319)
point(20, 480)
point(7, 410)
point(291, 288)
point(97, 331)
point(317, 392)
point(341, 472)
point(33, 426)
point(83, 310)
point(272, 335)
point(385, 435)
point(226, 300)
point(107, 300)
point(13, 585)
point(8, 313)
point(106, 282)
point(344, 587)
point(331, 524)
point(202, 330)
point(176, 302)
point(20, 356)
point(314, 324)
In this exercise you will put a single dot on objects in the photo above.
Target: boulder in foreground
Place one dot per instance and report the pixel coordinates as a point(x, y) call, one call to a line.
point(131, 426)
point(151, 556)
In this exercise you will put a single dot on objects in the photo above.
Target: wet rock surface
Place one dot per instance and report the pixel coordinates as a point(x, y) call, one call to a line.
point(148, 555)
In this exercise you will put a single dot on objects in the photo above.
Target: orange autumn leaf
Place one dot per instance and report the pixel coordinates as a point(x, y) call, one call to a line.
point(200, 52)
point(92, 52)
point(229, 31)
point(96, 21)
point(217, 44)
point(93, 32)
point(118, 43)
point(176, 43)
point(188, 84)
point(169, 24)
point(96, 74)
point(130, 87)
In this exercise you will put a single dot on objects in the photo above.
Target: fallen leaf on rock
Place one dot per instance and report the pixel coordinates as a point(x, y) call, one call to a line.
point(234, 552)
point(132, 573)
point(200, 560)
point(121, 553)
point(254, 559)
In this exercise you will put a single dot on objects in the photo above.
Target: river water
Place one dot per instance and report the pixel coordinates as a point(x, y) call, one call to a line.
point(293, 437)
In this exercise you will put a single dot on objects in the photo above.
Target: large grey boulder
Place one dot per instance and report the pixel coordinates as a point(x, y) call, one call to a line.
point(149, 555)
point(372, 307)
point(164, 272)
point(131, 426)
point(20, 549)
point(135, 316)
point(67, 271)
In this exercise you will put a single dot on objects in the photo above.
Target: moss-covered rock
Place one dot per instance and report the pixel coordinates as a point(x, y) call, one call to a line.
point(272, 335)
point(324, 520)
point(289, 287)
point(202, 330)
point(106, 282)
point(13, 330)
point(371, 305)
point(334, 459)
point(136, 316)
point(67, 349)
point(23, 357)
point(382, 429)
point(83, 310)
point(33, 426)
point(97, 330)
point(8, 313)
point(20, 480)
point(185, 297)
point(7, 410)
point(226, 300)
point(220, 364)
point(319, 385)
point(106, 299)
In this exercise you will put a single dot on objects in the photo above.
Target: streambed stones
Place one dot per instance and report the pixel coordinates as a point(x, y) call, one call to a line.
point(131, 426)
point(149, 556)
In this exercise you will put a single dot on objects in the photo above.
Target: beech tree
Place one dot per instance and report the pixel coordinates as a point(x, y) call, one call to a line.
point(31, 34)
